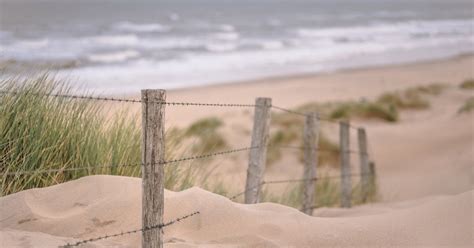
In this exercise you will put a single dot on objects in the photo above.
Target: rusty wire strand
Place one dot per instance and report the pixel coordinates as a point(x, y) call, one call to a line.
point(32, 172)
point(159, 226)
point(264, 182)
point(317, 149)
point(128, 165)
point(209, 155)
point(289, 111)
point(113, 99)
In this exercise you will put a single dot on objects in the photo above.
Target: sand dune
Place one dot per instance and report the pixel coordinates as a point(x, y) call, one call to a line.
point(424, 165)
point(98, 205)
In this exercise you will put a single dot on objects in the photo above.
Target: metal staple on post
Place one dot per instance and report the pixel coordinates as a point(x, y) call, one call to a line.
point(346, 184)
point(257, 157)
point(153, 153)
point(364, 164)
point(311, 137)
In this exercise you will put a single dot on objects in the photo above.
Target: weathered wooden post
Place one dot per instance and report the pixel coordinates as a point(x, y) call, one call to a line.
point(153, 152)
point(364, 164)
point(346, 184)
point(311, 139)
point(258, 155)
point(372, 179)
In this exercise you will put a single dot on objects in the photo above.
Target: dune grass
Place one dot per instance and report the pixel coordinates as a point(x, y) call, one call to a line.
point(467, 107)
point(385, 108)
point(207, 135)
point(38, 132)
point(327, 194)
point(288, 131)
point(467, 84)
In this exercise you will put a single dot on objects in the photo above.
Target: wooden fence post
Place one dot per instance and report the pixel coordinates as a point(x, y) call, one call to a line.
point(311, 139)
point(258, 155)
point(153, 152)
point(346, 184)
point(372, 178)
point(364, 164)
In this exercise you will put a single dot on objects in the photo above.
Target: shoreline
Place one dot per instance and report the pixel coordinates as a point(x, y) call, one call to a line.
point(292, 76)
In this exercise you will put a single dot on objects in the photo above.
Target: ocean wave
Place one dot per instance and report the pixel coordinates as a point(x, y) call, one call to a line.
point(114, 40)
point(409, 28)
point(227, 36)
point(174, 17)
point(221, 47)
point(226, 27)
point(33, 44)
point(271, 45)
point(113, 57)
point(142, 28)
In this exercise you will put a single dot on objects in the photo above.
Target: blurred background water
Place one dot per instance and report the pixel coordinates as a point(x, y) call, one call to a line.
point(122, 45)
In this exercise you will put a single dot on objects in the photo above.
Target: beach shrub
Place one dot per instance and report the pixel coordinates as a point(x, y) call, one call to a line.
point(289, 133)
point(467, 84)
point(364, 110)
point(407, 100)
point(467, 107)
point(207, 135)
point(327, 193)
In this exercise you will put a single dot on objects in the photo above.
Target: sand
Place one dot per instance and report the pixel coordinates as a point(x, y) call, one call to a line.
point(424, 166)
point(99, 205)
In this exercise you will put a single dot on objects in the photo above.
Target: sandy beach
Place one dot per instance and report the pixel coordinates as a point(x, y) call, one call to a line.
point(424, 164)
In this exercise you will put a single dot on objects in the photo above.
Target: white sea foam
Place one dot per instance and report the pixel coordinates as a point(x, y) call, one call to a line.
point(113, 57)
point(226, 27)
point(174, 17)
point(33, 44)
point(227, 36)
point(114, 40)
point(460, 27)
point(272, 44)
point(141, 28)
point(221, 47)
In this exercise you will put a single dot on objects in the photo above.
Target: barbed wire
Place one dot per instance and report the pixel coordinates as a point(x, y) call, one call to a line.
point(317, 149)
point(96, 98)
point(97, 167)
point(247, 190)
point(17, 173)
point(289, 111)
point(159, 226)
point(326, 119)
point(32, 172)
point(113, 99)
point(209, 155)
point(264, 182)
point(210, 104)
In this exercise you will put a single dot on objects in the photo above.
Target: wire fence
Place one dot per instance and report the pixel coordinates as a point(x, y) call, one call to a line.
point(126, 100)
point(183, 159)
point(123, 233)
point(166, 162)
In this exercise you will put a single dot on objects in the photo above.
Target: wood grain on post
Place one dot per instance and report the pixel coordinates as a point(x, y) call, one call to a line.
point(153, 152)
point(346, 184)
point(311, 139)
point(364, 164)
point(258, 155)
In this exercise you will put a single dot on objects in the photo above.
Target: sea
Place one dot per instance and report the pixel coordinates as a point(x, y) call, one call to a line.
point(119, 46)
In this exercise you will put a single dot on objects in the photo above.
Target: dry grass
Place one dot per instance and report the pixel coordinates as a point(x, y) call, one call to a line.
point(467, 84)
point(38, 132)
point(207, 135)
point(327, 194)
point(467, 107)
